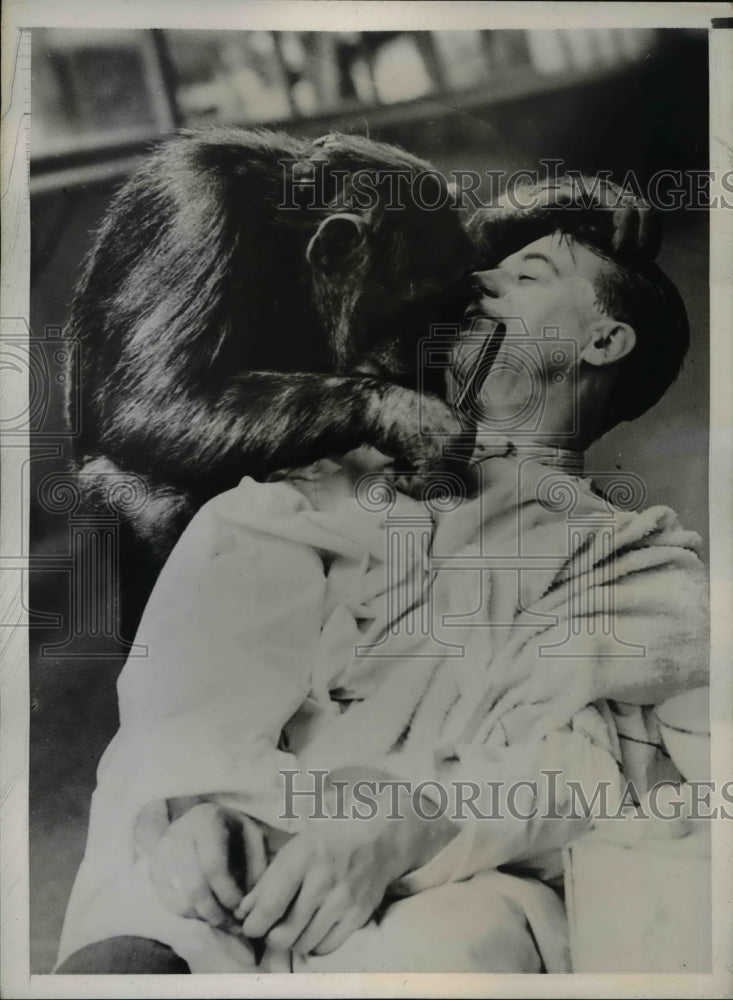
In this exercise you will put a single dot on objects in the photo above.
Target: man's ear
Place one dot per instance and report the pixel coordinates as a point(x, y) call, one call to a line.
point(335, 240)
point(609, 342)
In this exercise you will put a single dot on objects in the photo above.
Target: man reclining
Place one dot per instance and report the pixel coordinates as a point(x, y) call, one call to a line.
point(299, 636)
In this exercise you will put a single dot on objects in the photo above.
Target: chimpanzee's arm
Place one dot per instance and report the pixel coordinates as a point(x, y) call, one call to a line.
point(266, 421)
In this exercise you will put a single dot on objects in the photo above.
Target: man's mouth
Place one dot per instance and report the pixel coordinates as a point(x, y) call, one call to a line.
point(471, 378)
point(475, 314)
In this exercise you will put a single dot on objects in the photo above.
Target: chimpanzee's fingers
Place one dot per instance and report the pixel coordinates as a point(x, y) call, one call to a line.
point(178, 876)
point(542, 195)
point(209, 909)
point(217, 836)
point(625, 229)
point(191, 875)
point(169, 888)
point(650, 233)
point(636, 229)
point(220, 884)
point(255, 852)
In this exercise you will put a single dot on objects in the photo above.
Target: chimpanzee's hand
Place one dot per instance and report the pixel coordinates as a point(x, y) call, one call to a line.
point(205, 862)
point(622, 220)
point(614, 219)
point(420, 432)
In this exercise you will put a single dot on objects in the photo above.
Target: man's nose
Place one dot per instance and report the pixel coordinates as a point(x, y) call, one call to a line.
point(488, 283)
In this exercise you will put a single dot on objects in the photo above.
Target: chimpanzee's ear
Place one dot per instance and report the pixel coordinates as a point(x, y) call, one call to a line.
point(335, 240)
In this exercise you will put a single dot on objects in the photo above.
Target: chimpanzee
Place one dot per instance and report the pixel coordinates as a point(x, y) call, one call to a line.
point(247, 306)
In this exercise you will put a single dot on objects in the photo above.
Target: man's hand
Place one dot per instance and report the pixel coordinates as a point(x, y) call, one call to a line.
point(205, 861)
point(329, 879)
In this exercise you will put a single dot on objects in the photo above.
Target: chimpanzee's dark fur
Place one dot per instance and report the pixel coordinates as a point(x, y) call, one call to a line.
point(220, 332)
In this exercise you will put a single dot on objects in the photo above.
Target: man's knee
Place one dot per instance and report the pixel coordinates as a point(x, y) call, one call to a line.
point(125, 955)
point(503, 941)
point(488, 930)
point(467, 926)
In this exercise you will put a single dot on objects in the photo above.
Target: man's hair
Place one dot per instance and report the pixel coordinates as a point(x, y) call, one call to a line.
point(642, 295)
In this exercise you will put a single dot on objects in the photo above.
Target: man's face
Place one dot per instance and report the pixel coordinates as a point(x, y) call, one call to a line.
point(542, 294)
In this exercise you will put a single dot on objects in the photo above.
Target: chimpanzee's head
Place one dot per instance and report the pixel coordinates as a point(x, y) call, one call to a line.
point(234, 249)
point(387, 249)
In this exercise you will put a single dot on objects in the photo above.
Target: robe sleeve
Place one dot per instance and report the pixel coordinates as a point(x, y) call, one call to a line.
point(515, 806)
point(229, 640)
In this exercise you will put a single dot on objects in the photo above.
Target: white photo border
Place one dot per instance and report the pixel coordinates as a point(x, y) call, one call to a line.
point(18, 17)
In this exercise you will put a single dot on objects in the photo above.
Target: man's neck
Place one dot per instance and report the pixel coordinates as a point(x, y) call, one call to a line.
point(492, 445)
point(566, 419)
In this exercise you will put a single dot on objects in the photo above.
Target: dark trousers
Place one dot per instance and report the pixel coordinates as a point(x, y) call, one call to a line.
point(124, 956)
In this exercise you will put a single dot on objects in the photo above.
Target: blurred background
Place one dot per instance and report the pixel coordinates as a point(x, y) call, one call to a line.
point(613, 100)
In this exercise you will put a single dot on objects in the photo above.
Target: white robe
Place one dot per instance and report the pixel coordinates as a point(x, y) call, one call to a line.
point(331, 626)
